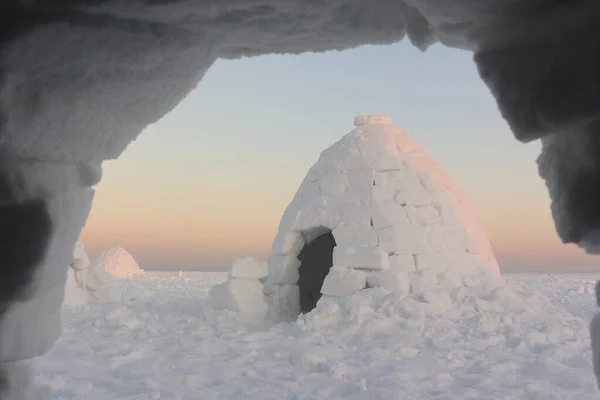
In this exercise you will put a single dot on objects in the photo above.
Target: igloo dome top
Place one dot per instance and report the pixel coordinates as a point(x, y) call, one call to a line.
point(396, 217)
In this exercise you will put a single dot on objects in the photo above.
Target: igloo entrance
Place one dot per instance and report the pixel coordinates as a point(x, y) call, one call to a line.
point(316, 258)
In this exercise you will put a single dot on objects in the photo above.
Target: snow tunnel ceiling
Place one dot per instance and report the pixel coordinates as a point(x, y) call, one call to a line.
point(79, 80)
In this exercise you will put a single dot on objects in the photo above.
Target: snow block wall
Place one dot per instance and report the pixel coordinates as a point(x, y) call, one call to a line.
point(399, 220)
point(243, 291)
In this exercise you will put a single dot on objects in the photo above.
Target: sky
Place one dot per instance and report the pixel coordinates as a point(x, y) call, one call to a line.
point(209, 182)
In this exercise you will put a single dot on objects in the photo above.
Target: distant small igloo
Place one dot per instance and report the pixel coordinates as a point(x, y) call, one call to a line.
point(87, 282)
point(376, 210)
point(118, 263)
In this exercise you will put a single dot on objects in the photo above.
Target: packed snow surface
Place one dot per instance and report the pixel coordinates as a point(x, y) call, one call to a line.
point(525, 340)
point(118, 263)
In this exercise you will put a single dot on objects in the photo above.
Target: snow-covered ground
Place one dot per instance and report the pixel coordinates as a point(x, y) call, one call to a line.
point(166, 343)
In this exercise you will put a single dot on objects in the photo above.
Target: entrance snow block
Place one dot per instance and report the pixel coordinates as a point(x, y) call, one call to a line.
point(361, 257)
point(342, 281)
point(242, 295)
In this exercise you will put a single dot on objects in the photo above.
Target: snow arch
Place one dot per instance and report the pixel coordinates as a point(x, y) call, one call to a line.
point(315, 261)
point(80, 80)
point(396, 220)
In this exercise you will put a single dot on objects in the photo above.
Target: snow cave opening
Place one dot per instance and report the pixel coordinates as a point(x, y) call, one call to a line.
point(316, 258)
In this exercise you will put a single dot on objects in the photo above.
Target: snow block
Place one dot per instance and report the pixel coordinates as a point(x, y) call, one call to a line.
point(447, 260)
point(355, 235)
point(388, 181)
point(284, 302)
point(342, 157)
point(317, 217)
point(342, 281)
point(307, 219)
point(286, 270)
point(402, 262)
point(371, 119)
point(74, 294)
point(248, 268)
point(333, 186)
point(357, 212)
point(312, 234)
point(96, 278)
point(439, 298)
point(360, 257)
point(309, 192)
point(404, 239)
point(424, 215)
point(242, 295)
point(454, 238)
point(360, 181)
point(392, 280)
point(422, 280)
point(420, 161)
point(388, 213)
point(81, 264)
point(413, 193)
point(288, 243)
point(448, 206)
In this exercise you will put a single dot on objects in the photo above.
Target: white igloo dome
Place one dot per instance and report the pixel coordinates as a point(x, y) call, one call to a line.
point(118, 263)
point(376, 210)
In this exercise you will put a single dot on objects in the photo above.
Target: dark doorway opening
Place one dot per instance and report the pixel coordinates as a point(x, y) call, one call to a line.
point(316, 258)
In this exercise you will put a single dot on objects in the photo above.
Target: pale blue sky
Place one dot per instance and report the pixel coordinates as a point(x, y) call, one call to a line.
point(236, 149)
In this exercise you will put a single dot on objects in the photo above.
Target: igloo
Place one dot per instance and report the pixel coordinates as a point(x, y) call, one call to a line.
point(119, 263)
point(88, 282)
point(376, 210)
